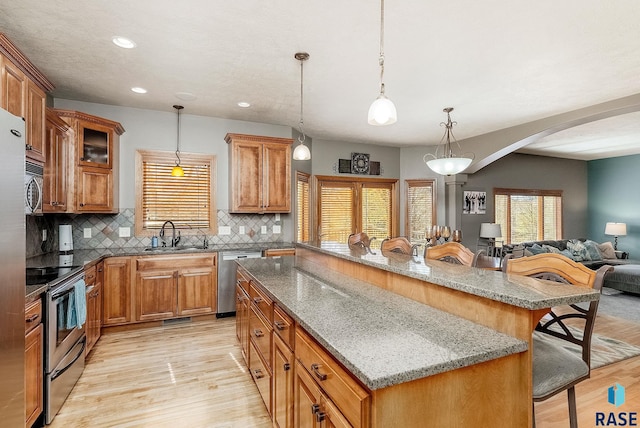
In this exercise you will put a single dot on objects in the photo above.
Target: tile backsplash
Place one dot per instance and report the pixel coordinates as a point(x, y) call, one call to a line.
point(105, 231)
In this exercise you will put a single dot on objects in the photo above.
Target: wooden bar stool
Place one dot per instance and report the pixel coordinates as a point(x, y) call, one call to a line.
point(452, 252)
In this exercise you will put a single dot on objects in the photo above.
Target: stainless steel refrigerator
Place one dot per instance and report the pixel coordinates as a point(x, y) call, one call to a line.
point(12, 268)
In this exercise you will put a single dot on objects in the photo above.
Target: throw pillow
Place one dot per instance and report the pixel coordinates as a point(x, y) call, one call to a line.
point(578, 250)
point(551, 249)
point(537, 249)
point(592, 249)
point(527, 253)
point(567, 253)
point(607, 251)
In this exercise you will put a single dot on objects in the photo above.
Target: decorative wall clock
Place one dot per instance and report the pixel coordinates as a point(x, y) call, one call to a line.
point(359, 163)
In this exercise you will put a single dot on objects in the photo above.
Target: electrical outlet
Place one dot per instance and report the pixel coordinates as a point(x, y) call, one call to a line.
point(87, 232)
point(263, 230)
point(277, 229)
point(241, 230)
point(224, 230)
point(277, 216)
point(44, 235)
point(124, 232)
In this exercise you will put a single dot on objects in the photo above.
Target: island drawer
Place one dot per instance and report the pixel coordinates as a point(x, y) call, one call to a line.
point(261, 376)
point(260, 333)
point(339, 385)
point(32, 315)
point(283, 326)
point(242, 280)
point(261, 301)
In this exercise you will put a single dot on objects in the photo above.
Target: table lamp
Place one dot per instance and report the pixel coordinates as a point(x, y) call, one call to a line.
point(490, 231)
point(615, 229)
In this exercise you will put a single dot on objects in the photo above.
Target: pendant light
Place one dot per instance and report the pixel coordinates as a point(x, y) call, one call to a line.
point(177, 170)
point(382, 110)
point(447, 162)
point(301, 152)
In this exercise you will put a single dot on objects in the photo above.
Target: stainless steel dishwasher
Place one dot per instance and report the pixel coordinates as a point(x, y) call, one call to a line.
point(227, 279)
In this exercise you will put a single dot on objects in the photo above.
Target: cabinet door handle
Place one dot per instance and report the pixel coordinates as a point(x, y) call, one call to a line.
point(315, 408)
point(286, 367)
point(81, 204)
point(316, 371)
point(257, 300)
point(320, 416)
point(258, 333)
point(280, 325)
point(257, 373)
point(32, 318)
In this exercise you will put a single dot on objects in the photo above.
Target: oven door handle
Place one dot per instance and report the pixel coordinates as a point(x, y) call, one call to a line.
point(63, 293)
point(61, 371)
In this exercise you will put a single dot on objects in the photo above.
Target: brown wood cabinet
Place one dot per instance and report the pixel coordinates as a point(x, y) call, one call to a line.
point(58, 148)
point(175, 286)
point(283, 363)
point(94, 173)
point(93, 279)
point(117, 302)
point(276, 252)
point(259, 174)
point(34, 363)
point(22, 93)
point(242, 313)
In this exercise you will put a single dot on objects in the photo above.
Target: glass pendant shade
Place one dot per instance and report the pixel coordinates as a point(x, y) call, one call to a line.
point(177, 171)
point(444, 161)
point(449, 166)
point(382, 112)
point(301, 152)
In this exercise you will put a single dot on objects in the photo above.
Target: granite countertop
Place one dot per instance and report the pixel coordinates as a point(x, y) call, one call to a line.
point(83, 258)
point(516, 290)
point(381, 337)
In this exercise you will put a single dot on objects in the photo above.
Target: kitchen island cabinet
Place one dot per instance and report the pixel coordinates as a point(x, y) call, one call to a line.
point(366, 313)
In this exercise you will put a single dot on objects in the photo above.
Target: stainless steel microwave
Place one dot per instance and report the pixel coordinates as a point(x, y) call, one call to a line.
point(33, 188)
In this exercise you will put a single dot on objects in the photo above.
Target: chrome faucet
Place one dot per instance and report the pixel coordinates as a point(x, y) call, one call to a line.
point(174, 239)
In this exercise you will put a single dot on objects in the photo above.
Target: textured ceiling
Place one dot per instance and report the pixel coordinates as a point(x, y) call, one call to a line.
point(499, 63)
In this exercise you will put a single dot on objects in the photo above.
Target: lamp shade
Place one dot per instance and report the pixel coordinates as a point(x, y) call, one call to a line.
point(382, 112)
point(448, 166)
point(490, 230)
point(615, 229)
point(301, 152)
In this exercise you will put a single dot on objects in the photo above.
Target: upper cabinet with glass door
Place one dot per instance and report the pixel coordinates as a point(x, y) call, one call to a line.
point(95, 138)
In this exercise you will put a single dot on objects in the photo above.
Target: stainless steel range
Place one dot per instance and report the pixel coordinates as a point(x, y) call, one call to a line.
point(65, 341)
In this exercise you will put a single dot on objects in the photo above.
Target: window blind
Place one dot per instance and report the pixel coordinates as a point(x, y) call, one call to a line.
point(337, 216)
point(303, 208)
point(183, 200)
point(420, 209)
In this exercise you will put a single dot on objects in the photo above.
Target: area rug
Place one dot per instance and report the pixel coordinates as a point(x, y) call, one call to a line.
point(619, 304)
point(604, 350)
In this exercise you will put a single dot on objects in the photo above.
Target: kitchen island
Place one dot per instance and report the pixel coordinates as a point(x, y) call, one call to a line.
point(418, 355)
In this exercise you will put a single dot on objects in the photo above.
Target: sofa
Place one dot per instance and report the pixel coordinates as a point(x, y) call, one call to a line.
point(625, 275)
point(585, 251)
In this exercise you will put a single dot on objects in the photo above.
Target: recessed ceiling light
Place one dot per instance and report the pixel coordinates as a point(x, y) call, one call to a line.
point(139, 90)
point(244, 104)
point(123, 42)
point(186, 96)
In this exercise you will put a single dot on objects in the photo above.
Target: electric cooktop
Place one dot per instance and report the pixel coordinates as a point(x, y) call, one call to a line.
point(42, 275)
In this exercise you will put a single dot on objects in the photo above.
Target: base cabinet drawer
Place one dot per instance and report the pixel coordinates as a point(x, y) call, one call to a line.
point(338, 385)
point(260, 333)
point(261, 376)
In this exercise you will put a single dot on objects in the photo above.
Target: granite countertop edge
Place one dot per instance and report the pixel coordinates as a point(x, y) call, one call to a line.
point(449, 281)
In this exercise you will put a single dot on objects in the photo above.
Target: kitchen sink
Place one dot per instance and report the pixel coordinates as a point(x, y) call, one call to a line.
point(172, 249)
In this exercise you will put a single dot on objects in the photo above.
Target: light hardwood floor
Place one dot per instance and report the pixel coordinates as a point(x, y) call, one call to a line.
point(182, 375)
point(192, 375)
